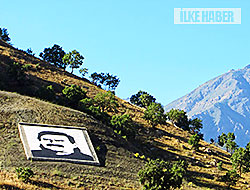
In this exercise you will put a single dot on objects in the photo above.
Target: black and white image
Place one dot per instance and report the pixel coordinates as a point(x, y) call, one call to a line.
point(57, 143)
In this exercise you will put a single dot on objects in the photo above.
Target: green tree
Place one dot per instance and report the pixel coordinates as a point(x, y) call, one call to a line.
point(74, 59)
point(241, 160)
point(194, 141)
point(83, 71)
point(111, 81)
point(85, 103)
point(228, 141)
point(54, 56)
point(105, 80)
point(142, 99)
point(155, 114)
point(195, 125)
point(230, 178)
point(161, 175)
point(106, 101)
point(30, 52)
point(179, 118)
point(74, 94)
point(97, 78)
point(222, 139)
point(231, 145)
point(4, 35)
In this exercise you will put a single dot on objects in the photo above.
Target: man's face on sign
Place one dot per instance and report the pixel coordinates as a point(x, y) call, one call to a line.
point(58, 143)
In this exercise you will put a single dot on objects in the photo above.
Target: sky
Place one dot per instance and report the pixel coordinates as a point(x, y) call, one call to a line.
point(136, 40)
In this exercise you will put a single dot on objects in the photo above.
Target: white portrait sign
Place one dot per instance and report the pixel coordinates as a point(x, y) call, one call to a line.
point(57, 143)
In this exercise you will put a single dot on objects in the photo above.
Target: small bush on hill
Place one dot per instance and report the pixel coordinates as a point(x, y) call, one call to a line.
point(123, 124)
point(220, 166)
point(155, 114)
point(160, 175)
point(194, 141)
point(74, 94)
point(27, 67)
point(106, 101)
point(24, 174)
point(87, 105)
point(102, 116)
point(16, 70)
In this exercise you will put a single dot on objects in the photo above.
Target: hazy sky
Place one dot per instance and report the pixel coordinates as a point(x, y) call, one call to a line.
point(136, 40)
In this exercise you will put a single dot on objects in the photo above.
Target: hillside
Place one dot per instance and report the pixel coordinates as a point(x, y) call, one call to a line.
point(119, 165)
point(223, 104)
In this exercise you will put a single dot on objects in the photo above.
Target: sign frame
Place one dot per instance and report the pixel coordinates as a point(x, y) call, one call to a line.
point(28, 149)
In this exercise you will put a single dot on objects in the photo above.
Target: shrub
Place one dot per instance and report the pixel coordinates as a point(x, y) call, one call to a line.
point(74, 94)
point(102, 116)
point(87, 105)
point(84, 104)
point(194, 141)
point(160, 175)
point(230, 178)
point(27, 67)
point(155, 114)
point(123, 124)
point(106, 101)
point(24, 174)
point(220, 166)
point(16, 71)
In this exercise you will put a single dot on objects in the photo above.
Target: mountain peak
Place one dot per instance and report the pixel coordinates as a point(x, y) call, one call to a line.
point(223, 104)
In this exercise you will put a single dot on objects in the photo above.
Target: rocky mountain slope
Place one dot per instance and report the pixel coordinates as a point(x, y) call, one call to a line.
point(223, 104)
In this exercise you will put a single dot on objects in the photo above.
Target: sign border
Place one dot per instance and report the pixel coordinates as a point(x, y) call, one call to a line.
point(27, 149)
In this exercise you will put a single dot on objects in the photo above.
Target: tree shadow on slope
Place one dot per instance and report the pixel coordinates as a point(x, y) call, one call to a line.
point(193, 176)
point(9, 187)
point(43, 184)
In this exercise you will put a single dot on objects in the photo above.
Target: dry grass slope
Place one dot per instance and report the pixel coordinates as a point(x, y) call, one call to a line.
point(120, 166)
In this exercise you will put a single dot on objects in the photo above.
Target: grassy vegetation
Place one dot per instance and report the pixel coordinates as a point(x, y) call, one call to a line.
point(119, 164)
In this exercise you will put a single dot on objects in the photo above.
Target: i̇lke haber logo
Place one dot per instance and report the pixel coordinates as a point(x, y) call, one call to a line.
point(207, 16)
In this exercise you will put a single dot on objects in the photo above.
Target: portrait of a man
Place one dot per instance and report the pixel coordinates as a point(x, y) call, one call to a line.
point(57, 143)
